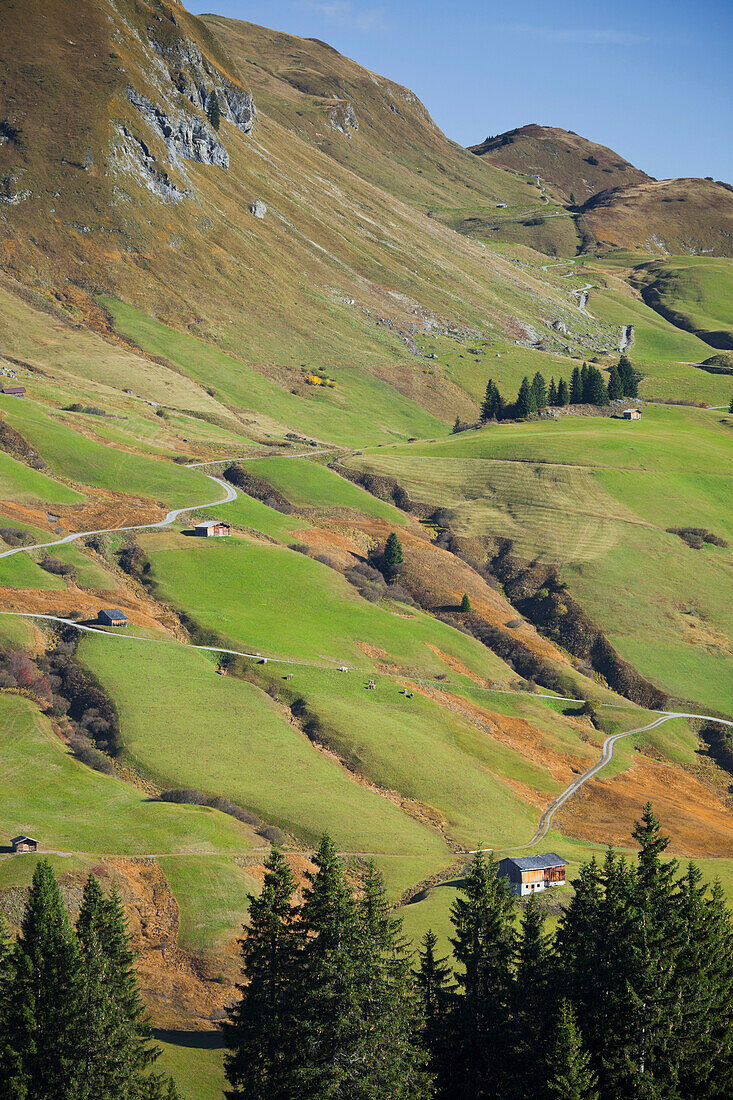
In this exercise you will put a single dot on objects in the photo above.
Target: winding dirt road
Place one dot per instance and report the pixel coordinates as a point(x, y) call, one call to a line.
point(230, 494)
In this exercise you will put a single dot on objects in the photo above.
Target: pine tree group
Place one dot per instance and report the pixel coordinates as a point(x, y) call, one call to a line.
point(213, 111)
point(631, 998)
point(72, 1023)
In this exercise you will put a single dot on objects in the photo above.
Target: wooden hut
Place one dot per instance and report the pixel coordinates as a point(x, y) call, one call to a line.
point(112, 616)
point(528, 874)
point(213, 528)
point(24, 844)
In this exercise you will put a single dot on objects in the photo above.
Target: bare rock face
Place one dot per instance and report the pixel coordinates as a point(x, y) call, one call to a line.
point(343, 119)
point(258, 208)
point(196, 79)
point(184, 135)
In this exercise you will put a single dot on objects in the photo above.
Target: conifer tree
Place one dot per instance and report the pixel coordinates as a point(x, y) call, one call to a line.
point(552, 394)
point(627, 374)
point(213, 111)
point(392, 557)
point(492, 403)
point(484, 947)
point(456, 426)
point(563, 396)
point(584, 383)
point(396, 1065)
point(730, 407)
point(465, 602)
point(51, 976)
point(576, 388)
point(572, 1077)
point(436, 992)
point(114, 1056)
point(539, 391)
point(260, 1031)
point(615, 387)
point(595, 392)
point(525, 404)
point(533, 1007)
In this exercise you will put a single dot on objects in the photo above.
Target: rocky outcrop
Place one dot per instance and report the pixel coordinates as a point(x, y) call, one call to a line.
point(342, 118)
point(184, 135)
point(258, 208)
point(196, 79)
point(133, 157)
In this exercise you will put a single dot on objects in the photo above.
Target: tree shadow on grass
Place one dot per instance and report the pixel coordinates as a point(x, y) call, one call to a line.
point(198, 1040)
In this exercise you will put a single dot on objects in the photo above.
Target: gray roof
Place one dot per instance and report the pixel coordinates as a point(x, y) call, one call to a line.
point(538, 863)
point(16, 839)
point(213, 523)
point(113, 612)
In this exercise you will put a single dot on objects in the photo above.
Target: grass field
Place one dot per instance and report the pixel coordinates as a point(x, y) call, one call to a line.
point(344, 414)
point(596, 499)
point(191, 728)
point(212, 897)
point(66, 805)
point(696, 292)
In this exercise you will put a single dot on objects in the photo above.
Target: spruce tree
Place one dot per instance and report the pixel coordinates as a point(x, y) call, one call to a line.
point(213, 110)
point(492, 403)
point(465, 602)
point(595, 392)
point(615, 387)
point(576, 388)
point(563, 396)
point(584, 383)
point(114, 1056)
point(456, 426)
point(539, 392)
point(730, 407)
point(533, 1007)
point(436, 991)
point(260, 1032)
point(552, 394)
point(392, 557)
point(572, 1077)
point(484, 946)
point(396, 1064)
point(525, 404)
point(51, 980)
point(627, 374)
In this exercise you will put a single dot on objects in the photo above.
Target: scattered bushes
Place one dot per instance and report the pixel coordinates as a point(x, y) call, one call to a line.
point(90, 410)
point(13, 443)
point(193, 797)
point(57, 567)
point(258, 488)
point(696, 537)
point(13, 536)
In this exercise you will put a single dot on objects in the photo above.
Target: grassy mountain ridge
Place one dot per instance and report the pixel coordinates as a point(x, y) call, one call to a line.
point(572, 167)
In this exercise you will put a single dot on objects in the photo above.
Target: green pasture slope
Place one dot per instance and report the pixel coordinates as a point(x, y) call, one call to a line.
point(360, 408)
point(695, 292)
point(69, 807)
point(595, 496)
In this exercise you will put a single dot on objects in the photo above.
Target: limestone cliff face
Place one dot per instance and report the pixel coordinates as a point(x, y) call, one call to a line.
point(185, 135)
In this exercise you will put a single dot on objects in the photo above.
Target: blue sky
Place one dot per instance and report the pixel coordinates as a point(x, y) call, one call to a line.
point(650, 78)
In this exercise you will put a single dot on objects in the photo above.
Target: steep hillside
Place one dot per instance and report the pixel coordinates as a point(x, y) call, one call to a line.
point(571, 167)
point(695, 294)
point(364, 121)
point(663, 217)
point(148, 203)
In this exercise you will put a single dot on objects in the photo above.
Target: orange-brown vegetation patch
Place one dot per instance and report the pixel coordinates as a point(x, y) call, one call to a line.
point(515, 733)
point(104, 511)
point(74, 603)
point(696, 819)
point(438, 580)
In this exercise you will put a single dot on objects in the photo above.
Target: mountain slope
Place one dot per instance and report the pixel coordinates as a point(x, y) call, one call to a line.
point(572, 167)
point(147, 203)
point(678, 217)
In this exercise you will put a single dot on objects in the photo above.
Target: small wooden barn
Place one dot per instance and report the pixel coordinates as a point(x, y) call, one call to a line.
point(14, 391)
point(213, 528)
point(112, 616)
point(528, 874)
point(24, 844)
point(632, 414)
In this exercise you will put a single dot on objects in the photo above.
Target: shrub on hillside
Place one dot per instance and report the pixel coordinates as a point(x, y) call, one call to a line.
point(58, 567)
point(697, 537)
point(13, 536)
point(367, 580)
